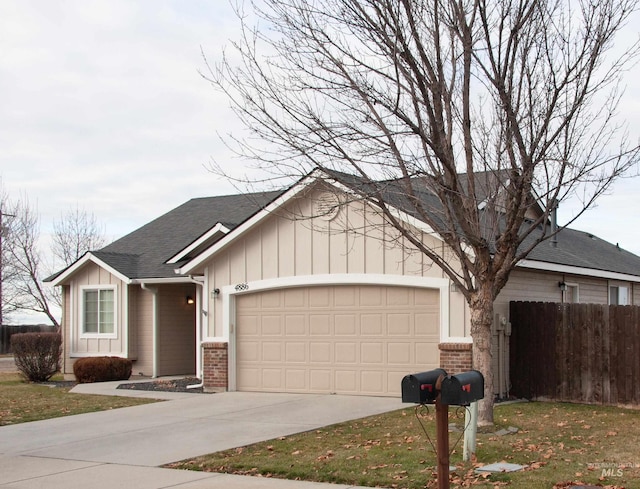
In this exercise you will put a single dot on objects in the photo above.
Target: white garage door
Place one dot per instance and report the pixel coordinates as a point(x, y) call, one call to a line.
point(342, 339)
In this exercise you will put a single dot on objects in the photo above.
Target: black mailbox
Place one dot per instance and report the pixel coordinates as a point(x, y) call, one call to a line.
point(462, 389)
point(420, 388)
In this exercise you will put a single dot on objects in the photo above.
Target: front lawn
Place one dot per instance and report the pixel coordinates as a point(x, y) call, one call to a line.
point(558, 442)
point(22, 401)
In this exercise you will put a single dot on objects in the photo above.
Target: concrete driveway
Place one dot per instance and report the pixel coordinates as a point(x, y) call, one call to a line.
point(81, 451)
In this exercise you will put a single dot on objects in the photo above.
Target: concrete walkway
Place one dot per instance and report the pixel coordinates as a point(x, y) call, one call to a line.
point(124, 447)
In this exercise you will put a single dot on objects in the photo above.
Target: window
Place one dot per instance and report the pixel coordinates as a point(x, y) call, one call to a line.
point(618, 295)
point(571, 295)
point(98, 312)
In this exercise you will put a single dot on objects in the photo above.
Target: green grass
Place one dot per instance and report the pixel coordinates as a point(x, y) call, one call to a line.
point(558, 442)
point(22, 401)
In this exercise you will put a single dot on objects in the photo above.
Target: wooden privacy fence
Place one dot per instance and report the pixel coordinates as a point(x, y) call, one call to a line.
point(575, 352)
point(6, 332)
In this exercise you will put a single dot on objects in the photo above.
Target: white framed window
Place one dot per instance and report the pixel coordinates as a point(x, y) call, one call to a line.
point(98, 312)
point(571, 293)
point(618, 295)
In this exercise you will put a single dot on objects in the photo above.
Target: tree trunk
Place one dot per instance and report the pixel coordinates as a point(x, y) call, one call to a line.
point(481, 307)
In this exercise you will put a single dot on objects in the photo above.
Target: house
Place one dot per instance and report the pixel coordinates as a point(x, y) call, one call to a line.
point(304, 290)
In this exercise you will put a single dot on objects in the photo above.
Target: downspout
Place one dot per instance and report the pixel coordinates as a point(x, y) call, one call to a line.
point(199, 313)
point(154, 291)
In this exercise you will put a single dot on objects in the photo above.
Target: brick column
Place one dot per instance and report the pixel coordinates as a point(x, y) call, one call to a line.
point(456, 357)
point(215, 366)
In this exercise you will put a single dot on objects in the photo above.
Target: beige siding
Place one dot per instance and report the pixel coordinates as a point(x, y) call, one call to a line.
point(295, 242)
point(141, 322)
point(176, 330)
point(92, 275)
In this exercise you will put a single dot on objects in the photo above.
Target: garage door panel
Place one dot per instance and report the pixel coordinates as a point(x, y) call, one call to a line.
point(427, 323)
point(372, 382)
point(272, 378)
point(271, 326)
point(270, 300)
point(296, 325)
point(320, 352)
point(320, 380)
point(346, 298)
point(427, 354)
point(296, 352)
point(342, 339)
point(272, 351)
point(399, 324)
point(320, 325)
point(294, 298)
point(372, 297)
point(399, 296)
point(399, 353)
point(345, 324)
point(296, 379)
point(346, 381)
point(249, 351)
point(250, 378)
point(346, 353)
point(371, 325)
point(371, 353)
point(319, 297)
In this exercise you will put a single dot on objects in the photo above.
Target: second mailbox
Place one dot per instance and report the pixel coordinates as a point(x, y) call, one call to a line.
point(462, 389)
point(420, 388)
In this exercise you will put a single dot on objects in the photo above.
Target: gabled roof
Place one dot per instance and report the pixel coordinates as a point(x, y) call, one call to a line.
point(143, 254)
point(189, 234)
point(583, 250)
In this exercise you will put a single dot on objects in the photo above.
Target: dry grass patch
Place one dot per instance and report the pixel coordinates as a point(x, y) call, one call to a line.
point(22, 401)
point(558, 442)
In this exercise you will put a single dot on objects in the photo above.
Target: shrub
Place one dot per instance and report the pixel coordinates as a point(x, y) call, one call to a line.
point(101, 369)
point(37, 355)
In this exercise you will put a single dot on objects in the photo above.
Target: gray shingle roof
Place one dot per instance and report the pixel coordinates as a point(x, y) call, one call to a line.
point(574, 248)
point(581, 249)
point(143, 253)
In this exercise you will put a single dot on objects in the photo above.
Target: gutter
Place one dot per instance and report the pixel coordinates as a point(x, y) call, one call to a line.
point(154, 291)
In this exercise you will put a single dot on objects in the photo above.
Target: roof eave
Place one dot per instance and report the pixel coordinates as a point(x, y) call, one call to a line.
point(573, 270)
point(86, 258)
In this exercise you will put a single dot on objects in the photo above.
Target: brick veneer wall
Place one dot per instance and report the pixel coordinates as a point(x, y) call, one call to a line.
point(216, 367)
point(456, 357)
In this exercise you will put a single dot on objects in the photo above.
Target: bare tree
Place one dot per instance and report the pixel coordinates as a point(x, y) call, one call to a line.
point(6, 273)
point(480, 115)
point(22, 287)
point(74, 234)
point(23, 267)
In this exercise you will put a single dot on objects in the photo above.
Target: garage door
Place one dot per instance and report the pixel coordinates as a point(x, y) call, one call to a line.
point(338, 339)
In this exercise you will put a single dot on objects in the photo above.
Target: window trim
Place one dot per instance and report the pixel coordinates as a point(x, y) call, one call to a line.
point(82, 333)
point(618, 285)
point(576, 287)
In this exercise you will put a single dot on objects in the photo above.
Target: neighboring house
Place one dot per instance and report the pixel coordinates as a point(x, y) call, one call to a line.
point(305, 290)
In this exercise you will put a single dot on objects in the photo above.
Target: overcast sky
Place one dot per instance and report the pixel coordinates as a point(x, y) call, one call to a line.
point(102, 105)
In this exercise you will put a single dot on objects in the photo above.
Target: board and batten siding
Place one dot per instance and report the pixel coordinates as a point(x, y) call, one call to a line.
point(142, 323)
point(94, 276)
point(296, 242)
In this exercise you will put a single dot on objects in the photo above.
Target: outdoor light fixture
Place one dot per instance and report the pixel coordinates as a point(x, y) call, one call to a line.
point(562, 286)
point(215, 293)
point(190, 300)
